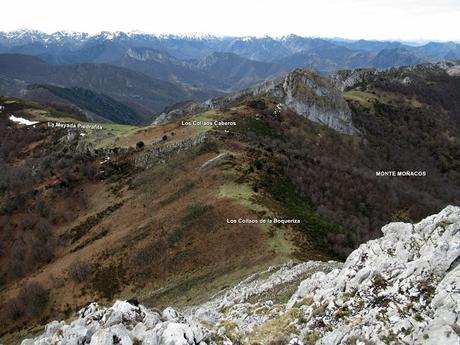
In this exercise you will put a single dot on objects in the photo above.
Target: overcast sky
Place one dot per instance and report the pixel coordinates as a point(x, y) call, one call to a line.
point(371, 19)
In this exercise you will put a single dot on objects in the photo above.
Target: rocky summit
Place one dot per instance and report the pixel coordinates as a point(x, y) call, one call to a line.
point(402, 288)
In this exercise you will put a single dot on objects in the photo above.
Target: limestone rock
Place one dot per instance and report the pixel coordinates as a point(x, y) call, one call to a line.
point(402, 286)
point(213, 162)
point(124, 323)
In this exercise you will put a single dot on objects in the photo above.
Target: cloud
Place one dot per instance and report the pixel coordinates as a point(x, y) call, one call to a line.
point(379, 19)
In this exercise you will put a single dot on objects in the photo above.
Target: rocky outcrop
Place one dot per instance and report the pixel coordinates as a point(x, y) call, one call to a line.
point(261, 290)
point(216, 161)
point(125, 323)
point(451, 67)
point(180, 110)
point(403, 288)
point(348, 79)
point(159, 152)
point(308, 94)
point(317, 99)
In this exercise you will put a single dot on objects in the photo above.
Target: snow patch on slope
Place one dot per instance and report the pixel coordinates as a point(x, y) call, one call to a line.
point(22, 120)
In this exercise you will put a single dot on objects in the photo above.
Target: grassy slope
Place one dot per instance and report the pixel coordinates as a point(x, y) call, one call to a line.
point(110, 135)
point(157, 244)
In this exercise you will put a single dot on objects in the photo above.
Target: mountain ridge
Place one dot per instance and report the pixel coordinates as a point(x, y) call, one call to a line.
point(265, 49)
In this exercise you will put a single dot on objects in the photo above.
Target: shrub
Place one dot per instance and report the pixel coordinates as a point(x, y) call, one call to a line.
point(13, 309)
point(258, 164)
point(34, 297)
point(107, 281)
point(16, 267)
point(150, 254)
point(41, 250)
point(379, 281)
point(79, 271)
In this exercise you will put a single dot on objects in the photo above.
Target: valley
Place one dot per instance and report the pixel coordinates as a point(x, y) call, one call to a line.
point(99, 204)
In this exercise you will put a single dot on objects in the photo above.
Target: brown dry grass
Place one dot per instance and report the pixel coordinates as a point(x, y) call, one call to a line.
point(205, 252)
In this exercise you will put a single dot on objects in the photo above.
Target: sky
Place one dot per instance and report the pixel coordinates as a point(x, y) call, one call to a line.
point(354, 19)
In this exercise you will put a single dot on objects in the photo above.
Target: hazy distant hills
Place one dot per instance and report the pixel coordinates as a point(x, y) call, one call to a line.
point(159, 64)
point(397, 57)
point(226, 71)
point(328, 58)
point(147, 73)
point(236, 71)
point(144, 95)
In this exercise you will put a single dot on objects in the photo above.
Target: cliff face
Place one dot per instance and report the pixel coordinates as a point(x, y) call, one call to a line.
point(401, 288)
point(317, 99)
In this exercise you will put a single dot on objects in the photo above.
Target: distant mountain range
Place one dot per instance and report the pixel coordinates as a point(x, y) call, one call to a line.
point(73, 47)
point(147, 73)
